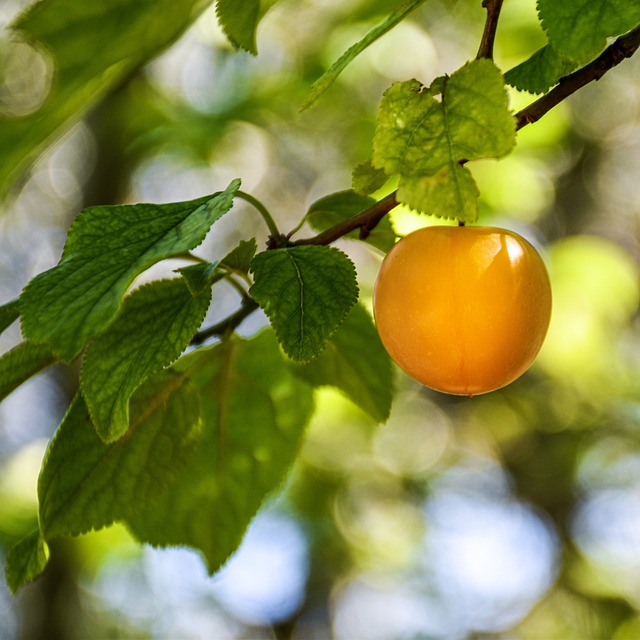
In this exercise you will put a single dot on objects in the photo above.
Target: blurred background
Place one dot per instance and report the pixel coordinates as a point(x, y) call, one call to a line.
point(514, 515)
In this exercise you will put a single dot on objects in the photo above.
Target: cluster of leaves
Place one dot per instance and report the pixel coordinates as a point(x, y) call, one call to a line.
point(184, 448)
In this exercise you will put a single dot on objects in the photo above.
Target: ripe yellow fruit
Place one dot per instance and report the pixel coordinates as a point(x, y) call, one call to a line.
point(463, 310)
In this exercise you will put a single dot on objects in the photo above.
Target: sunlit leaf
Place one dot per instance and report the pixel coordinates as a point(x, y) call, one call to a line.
point(254, 411)
point(91, 47)
point(356, 363)
point(26, 560)
point(306, 292)
point(86, 484)
point(22, 362)
point(366, 179)
point(154, 327)
point(331, 75)
point(107, 247)
point(422, 133)
point(464, 116)
point(449, 193)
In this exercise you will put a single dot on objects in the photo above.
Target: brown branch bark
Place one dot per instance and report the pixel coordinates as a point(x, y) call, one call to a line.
point(365, 221)
point(624, 47)
point(493, 8)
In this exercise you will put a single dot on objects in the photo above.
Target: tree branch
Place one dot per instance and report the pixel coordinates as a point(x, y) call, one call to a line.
point(624, 47)
point(365, 221)
point(493, 8)
point(230, 323)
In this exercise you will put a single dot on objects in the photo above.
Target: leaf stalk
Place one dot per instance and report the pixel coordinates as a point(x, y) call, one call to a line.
point(263, 211)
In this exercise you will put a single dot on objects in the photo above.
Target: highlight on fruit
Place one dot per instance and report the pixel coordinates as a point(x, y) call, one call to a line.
point(463, 310)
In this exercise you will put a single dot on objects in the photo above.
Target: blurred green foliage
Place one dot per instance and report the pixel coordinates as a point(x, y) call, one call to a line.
point(510, 515)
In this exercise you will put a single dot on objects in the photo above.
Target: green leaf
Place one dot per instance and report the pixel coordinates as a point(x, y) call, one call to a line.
point(26, 560)
point(199, 277)
point(86, 484)
point(154, 327)
point(239, 20)
point(450, 190)
point(423, 132)
point(239, 259)
point(107, 247)
point(306, 292)
point(331, 75)
point(366, 179)
point(540, 72)
point(85, 49)
point(337, 207)
point(579, 30)
point(9, 313)
point(254, 411)
point(22, 362)
point(356, 363)
point(418, 133)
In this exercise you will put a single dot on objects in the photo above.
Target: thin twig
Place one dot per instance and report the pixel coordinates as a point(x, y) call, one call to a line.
point(227, 325)
point(624, 47)
point(493, 8)
point(365, 220)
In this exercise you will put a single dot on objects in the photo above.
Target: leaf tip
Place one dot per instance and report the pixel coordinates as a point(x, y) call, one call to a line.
point(26, 560)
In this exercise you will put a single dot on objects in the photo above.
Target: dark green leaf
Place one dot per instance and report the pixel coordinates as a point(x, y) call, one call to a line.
point(540, 72)
point(356, 363)
point(340, 206)
point(579, 30)
point(239, 259)
point(107, 247)
point(306, 292)
point(423, 133)
point(154, 327)
point(342, 203)
point(26, 560)
point(254, 412)
point(22, 362)
point(239, 20)
point(86, 484)
point(330, 76)
point(199, 277)
point(85, 49)
point(9, 313)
